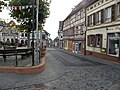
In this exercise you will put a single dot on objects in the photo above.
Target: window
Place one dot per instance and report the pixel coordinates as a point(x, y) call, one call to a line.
point(12, 40)
point(82, 14)
point(98, 17)
point(99, 40)
point(22, 35)
point(90, 20)
point(113, 44)
point(25, 34)
point(108, 14)
point(95, 5)
point(22, 42)
point(43, 36)
point(91, 7)
point(94, 40)
point(91, 40)
point(26, 42)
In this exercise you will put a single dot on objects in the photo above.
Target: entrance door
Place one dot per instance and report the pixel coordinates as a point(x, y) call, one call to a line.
point(114, 45)
point(79, 47)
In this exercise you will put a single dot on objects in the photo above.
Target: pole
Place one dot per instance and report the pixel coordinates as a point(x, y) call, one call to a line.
point(33, 35)
point(37, 36)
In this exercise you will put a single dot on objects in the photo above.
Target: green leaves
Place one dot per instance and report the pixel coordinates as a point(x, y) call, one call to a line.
point(2, 3)
point(24, 17)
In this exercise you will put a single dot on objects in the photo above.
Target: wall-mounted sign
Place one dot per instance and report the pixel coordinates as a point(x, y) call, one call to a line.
point(115, 28)
point(103, 50)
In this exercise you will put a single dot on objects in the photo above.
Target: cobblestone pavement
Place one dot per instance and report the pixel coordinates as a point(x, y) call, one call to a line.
point(10, 61)
point(57, 76)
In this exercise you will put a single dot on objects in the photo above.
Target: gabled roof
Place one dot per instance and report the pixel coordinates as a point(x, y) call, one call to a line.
point(46, 32)
point(82, 4)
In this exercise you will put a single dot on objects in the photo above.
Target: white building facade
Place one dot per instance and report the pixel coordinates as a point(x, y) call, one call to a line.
point(103, 29)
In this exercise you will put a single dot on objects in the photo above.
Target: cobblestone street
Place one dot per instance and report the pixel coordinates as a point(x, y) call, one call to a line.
point(60, 75)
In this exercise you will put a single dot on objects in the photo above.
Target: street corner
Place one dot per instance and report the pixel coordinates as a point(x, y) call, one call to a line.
point(25, 70)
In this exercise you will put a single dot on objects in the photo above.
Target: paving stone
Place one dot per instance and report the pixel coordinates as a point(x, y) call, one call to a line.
point(57, 76)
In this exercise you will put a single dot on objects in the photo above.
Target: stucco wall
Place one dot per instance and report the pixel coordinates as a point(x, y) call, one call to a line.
point(104, 39)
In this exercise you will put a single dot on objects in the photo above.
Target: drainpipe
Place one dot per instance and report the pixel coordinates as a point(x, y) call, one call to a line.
point(85, 33)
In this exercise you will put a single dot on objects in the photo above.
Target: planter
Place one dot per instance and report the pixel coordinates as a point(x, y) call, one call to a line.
point(43, 52)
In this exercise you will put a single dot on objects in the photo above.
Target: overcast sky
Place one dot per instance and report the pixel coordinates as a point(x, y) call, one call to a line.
point(59, 10)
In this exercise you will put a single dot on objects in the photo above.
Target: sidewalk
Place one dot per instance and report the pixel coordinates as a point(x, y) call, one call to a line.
point(93, 58)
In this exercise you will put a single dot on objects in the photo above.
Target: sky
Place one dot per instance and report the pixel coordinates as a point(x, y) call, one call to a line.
point(59, 10)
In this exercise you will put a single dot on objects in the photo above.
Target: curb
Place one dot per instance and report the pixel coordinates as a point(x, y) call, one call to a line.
point(25, 70)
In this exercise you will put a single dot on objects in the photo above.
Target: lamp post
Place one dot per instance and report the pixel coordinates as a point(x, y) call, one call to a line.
point(33, 34)
point(37, 36)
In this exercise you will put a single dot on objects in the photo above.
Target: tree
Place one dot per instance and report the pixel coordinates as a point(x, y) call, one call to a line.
point(24, 17)
point(2, 3)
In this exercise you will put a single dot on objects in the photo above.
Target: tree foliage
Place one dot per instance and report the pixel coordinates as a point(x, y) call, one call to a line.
point(24, 17)
point(2, 3)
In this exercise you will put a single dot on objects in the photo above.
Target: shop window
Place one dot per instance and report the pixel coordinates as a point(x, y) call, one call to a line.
point(113, 44)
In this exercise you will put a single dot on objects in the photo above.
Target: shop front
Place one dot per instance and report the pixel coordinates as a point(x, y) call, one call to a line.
point(77, 46)
point(65, 44)
point(113, 42)
point(70, 45)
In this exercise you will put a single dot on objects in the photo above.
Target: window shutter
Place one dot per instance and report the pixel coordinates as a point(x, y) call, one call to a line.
point(94, 19)
point(88, 23)
point(113, 12)
point(88, 40)
point(101, 37)
point(94, 40)
point(96, 15)
point(103, 16)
